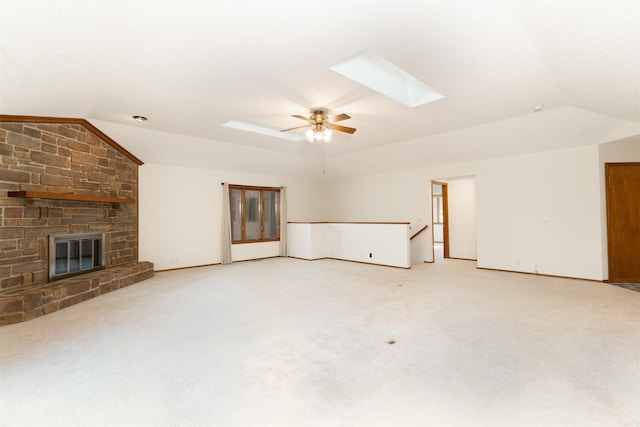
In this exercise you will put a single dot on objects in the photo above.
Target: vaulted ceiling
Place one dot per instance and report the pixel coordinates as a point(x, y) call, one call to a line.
point(192, 65)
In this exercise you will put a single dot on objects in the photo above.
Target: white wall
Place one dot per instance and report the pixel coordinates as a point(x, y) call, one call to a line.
point(299, 241)
point(392, 197)
point(307, 240)
point(419, 247)
point(535, 213)
point(541, 213)
point(462, 217)
point(381, 244)
point(180, 209)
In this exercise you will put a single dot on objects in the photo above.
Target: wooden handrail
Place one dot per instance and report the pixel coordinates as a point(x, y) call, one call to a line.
point(340, 222)
point(419, 231)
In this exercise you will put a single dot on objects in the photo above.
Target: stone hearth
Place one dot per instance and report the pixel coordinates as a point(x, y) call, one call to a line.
point(34, 301)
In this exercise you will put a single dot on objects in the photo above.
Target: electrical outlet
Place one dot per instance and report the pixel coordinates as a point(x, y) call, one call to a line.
point(370, 255)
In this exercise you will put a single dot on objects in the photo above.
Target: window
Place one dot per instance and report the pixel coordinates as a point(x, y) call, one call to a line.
point(255, 214)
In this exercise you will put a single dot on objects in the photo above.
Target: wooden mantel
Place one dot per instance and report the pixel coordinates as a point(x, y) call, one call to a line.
point(65, 196)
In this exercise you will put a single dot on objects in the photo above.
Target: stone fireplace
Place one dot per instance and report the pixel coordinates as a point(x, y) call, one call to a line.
point(64, 185)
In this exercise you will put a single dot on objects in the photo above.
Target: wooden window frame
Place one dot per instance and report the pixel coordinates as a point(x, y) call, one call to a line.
point(244, 189)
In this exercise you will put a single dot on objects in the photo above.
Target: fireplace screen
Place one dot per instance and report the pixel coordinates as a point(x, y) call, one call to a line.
point(71, 254)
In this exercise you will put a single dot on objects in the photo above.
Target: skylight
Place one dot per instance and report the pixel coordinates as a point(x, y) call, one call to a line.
point(375, 72)
point(263, 130)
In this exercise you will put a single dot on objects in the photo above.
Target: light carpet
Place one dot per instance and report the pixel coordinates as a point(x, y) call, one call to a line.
point(285, 342)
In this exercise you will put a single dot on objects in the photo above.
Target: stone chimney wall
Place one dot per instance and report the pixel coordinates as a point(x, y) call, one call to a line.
point(61, 158)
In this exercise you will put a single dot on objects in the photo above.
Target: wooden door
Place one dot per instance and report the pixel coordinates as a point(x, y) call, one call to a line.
point(623, 221)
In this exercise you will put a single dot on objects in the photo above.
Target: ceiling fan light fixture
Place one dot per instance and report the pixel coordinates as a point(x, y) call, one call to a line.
point(319, 133)
point(310, 134)
point(319, 127)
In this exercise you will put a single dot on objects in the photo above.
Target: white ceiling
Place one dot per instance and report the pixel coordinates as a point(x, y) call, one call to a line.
point(192, 65)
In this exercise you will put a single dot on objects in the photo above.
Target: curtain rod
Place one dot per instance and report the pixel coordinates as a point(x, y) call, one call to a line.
point(222, 183)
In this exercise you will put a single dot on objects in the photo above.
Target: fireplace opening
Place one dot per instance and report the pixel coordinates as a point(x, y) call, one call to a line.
point(73, 254)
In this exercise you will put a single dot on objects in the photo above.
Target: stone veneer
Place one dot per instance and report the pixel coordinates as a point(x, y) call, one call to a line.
point(69, 156)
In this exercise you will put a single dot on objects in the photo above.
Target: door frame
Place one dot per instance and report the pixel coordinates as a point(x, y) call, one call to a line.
point(445, 218)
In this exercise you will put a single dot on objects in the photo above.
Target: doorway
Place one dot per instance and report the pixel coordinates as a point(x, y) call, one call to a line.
point(623, 221)
point(454, 218)
point(440, 230)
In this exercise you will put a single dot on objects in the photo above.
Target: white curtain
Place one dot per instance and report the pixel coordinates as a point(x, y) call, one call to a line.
point(225, 245)
point(283, 221)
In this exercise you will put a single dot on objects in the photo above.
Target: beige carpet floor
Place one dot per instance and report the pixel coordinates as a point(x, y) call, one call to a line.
point(285, 342)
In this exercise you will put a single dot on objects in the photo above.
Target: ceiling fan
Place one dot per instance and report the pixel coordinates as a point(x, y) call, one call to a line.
point(320, 126)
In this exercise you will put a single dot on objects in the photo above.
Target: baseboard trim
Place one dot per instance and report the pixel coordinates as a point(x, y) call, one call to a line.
point(350, 260)
point(371, 263)
point(217, 263)
point(256, 259)
point(392, 266)
point(541, 275)
point(187, 268)
point(306, 259)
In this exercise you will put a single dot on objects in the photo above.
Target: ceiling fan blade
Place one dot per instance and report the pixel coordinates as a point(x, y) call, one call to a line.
point(306, 119)
point(341, 128)
point(297, 127)
point(340, 117)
